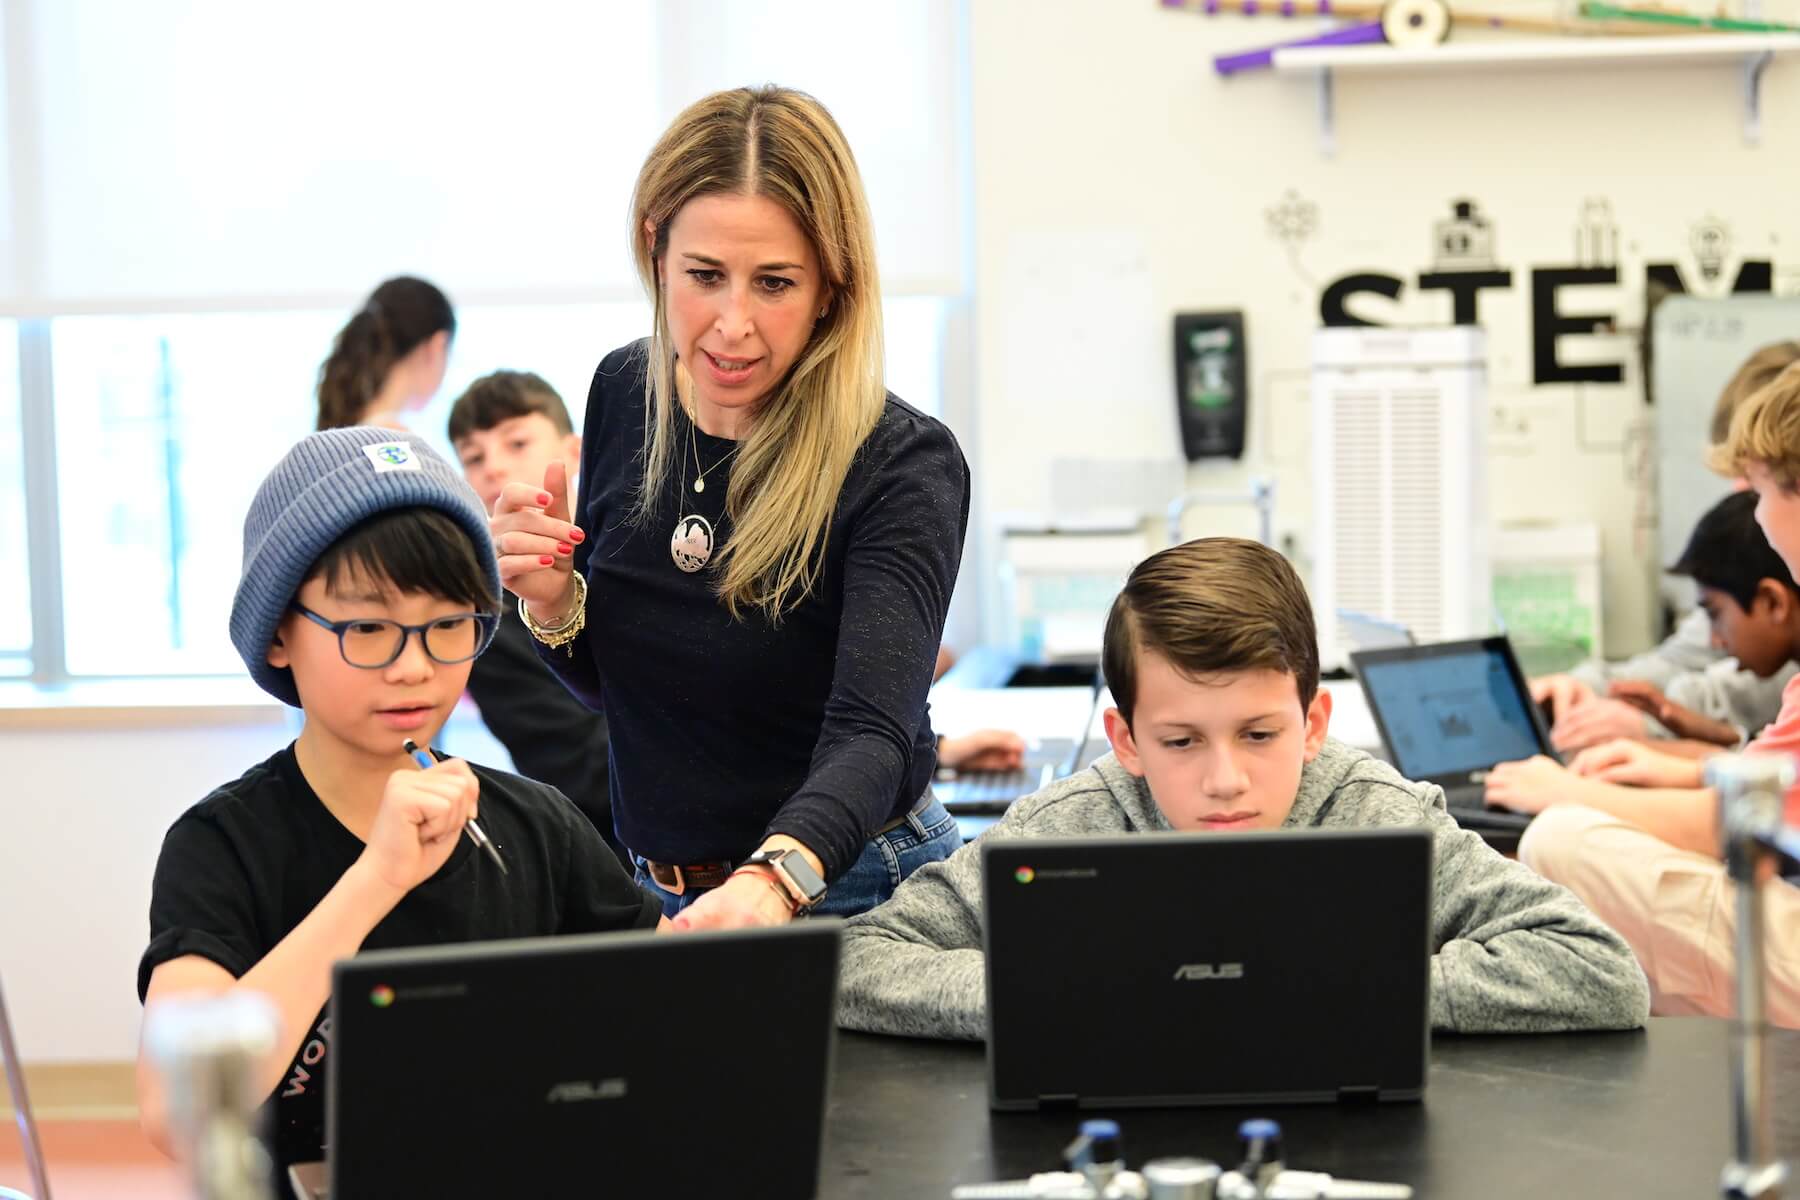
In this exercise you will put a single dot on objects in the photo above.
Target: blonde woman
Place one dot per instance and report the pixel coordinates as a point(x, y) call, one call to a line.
point(756, 581)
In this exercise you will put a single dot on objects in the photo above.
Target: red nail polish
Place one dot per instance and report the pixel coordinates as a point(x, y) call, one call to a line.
point(575, 535)
point(564, 548)
point(545, 560)
point(543, 497)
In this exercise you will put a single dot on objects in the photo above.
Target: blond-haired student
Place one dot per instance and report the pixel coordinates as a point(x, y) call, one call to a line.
point(1646, 857)
point(1644, 696)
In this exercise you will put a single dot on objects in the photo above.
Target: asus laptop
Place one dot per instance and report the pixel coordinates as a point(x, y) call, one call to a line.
point(1449, 713)
point(1208, 968)
point(608, 1064)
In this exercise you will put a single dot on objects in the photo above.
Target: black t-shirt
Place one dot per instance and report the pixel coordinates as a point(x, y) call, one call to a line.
point(553, 737)
point(724, 731)
point(239, 870)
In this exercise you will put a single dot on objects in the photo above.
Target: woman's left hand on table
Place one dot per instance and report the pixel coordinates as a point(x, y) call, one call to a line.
point(750, 899)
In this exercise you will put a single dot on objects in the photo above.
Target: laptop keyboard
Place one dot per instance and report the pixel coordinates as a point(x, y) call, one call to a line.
point(1469, 807)
point(985, 793)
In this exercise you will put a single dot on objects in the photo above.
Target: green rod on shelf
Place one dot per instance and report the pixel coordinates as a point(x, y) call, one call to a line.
point(1598, 10)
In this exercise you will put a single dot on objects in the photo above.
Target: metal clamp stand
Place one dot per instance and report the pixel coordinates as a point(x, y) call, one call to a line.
point(21, 1102)
point(1751, 791)
point(207, 1050)
point(1096, 1171)
point(1261, 497)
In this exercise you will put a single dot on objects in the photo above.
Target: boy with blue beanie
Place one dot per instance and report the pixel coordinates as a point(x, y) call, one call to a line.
point(369, 586)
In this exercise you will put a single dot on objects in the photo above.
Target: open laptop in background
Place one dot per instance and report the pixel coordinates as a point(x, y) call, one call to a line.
point(21, 1103)
point(1217, 1001)
point(1373, 633)
point(605, 1064)
point(1449, 713)
point(991, 793)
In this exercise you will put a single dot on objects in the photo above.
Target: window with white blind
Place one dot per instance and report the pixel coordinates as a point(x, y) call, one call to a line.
point(203, 190)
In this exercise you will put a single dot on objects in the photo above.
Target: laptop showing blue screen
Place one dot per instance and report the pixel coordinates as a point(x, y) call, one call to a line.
point(1450, 712)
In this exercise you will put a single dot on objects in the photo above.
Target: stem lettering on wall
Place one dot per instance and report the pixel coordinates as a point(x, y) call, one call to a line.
point(1467, 238)
point(1548, 320)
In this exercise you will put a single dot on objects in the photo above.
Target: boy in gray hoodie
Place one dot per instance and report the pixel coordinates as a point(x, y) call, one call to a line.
point(1213, 661)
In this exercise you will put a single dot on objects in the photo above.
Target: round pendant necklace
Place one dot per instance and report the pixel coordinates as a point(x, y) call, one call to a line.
point(691, 545)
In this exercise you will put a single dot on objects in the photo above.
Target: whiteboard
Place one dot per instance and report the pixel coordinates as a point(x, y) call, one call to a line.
point(1698, 345)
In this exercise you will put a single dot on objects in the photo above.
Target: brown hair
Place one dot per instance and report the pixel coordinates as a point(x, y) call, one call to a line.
point(501, 396)
point(1212, 606)
point(1765, 430)
point(396, 318)
point(1756, 373)
point(784, 145)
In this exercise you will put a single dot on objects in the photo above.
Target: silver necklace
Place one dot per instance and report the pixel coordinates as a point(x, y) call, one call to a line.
point(691, 545)
point(699, 475)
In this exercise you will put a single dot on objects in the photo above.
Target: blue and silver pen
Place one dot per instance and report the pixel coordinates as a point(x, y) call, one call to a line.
point(476, 833)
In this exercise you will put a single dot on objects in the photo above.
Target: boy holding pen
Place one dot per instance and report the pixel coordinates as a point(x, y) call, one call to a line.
point(369, 586)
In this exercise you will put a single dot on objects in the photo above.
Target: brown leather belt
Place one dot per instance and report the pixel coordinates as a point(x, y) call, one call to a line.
point(676, 879)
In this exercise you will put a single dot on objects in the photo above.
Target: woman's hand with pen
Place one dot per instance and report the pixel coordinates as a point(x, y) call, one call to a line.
point(422, 815)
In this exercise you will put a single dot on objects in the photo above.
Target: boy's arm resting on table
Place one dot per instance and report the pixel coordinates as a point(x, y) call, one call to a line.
point(295, 976)
point(1517, 953)
point(205, 934)
point(914, 965)
point(1686, 818)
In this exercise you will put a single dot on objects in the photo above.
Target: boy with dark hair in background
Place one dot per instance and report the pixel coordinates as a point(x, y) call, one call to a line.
point(508, 427)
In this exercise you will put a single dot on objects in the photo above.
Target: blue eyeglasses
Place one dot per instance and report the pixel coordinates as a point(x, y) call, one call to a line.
point(374, 642)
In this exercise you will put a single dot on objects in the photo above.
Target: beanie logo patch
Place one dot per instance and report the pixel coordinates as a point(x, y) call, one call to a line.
point(392, 456)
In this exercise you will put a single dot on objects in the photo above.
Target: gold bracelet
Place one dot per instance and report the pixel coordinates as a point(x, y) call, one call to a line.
point(569, 630)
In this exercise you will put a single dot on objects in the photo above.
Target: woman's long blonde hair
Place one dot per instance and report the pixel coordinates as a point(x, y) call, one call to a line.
point(783, 145)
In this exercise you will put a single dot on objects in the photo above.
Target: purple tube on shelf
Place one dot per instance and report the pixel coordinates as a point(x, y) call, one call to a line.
point(1253, 60)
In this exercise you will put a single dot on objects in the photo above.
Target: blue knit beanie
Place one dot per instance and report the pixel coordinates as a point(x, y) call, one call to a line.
point(329, 482)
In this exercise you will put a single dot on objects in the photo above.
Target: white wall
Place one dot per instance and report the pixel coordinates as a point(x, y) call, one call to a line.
point(1118, 180)
point(83, 811)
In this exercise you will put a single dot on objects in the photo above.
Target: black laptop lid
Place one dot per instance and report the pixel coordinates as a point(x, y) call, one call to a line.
point(610, 1064)
point(1207, 968)
point(1449, 712)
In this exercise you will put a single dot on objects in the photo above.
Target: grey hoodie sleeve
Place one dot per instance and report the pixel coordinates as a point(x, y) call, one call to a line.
point(914, 965)
point(1689, 648)
point(1727, 693)
point(1516, 953)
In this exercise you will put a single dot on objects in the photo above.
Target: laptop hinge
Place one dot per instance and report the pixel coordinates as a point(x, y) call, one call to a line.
point(1359, 1093)
point(1057, 1101)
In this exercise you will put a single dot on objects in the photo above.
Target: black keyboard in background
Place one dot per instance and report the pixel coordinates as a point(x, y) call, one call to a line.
point(975, 793)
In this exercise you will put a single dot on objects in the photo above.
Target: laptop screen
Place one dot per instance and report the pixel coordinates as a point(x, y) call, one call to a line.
point(1450, 713)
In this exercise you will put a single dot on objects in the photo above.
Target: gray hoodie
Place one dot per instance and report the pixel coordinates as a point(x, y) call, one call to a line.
point(1692, 673)
point(1514, 952)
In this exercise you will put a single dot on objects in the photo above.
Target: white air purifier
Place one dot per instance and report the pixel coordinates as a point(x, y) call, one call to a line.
point(1400, 517)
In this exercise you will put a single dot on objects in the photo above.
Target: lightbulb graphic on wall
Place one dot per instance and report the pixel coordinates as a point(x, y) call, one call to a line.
point(1596, 234)
point(1710, 240)
point(1463, 240)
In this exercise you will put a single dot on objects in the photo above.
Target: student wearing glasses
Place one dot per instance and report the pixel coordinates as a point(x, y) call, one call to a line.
point(369, 586)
